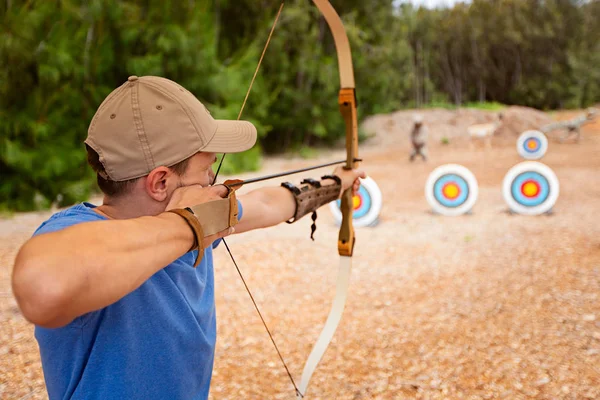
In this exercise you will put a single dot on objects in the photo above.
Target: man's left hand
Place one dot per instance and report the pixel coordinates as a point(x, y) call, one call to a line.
point(349, 178)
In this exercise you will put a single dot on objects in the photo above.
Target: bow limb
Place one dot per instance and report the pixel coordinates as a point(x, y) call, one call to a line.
point(346, 239)
point(347, 104)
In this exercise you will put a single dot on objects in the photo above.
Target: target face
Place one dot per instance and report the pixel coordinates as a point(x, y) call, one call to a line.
point(530, 188)
point(451, 190)
point(367, 205)
point(532, 145)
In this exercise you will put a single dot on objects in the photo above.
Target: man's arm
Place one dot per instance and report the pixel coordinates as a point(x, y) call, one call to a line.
point(265, 207)
point(61, 275)
point(270, 206)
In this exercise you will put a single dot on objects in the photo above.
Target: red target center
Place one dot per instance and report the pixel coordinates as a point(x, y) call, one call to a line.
point(530, 188)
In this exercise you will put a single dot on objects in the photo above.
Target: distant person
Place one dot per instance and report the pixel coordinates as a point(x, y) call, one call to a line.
point(418, 138)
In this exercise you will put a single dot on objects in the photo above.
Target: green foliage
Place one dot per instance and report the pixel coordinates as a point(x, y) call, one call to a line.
point(364, 135)
point(58, 61)
point(533, 53)
point(307, 152)
point(487, 106)
point(248, 161)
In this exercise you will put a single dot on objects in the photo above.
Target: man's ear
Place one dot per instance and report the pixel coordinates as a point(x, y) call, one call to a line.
point(156, 184)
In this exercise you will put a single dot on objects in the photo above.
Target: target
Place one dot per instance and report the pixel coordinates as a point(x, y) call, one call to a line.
point(451, 190)
point(530, 188)
point(532, 145)
point(367, 205)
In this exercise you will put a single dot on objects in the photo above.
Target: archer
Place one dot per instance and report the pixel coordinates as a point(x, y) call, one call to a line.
point(122, 294)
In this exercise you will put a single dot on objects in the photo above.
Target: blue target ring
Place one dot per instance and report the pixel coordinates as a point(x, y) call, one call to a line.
point(541, 184)
point(444, 200)
point(365, 203)
point(534, 149)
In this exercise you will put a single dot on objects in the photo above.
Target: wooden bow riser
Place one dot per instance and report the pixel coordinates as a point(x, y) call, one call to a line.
point(347, 103)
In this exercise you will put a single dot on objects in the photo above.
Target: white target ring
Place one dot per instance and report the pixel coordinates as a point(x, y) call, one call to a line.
point(451, 190)
point(530, 188)
point(367, 205)
point(532, 145)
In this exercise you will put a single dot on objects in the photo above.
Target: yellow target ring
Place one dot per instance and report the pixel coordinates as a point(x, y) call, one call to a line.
point(531, 144)
point(451, 191)
point(530, 189)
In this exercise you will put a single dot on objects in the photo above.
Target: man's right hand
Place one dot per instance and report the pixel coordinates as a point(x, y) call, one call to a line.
point(189, 196)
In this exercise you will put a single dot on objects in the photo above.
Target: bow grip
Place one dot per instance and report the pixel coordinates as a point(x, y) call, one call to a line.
point(346, 237)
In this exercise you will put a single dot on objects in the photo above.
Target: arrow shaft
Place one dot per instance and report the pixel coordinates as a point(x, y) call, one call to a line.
point(292, 172)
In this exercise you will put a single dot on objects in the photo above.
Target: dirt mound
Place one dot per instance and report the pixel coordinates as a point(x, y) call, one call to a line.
point(394, 128)
point(516, 119)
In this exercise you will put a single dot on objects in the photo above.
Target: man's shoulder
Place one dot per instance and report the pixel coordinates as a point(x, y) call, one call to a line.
point(83, 212)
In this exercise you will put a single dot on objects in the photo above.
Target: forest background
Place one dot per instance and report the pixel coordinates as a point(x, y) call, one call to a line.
point(59, 59)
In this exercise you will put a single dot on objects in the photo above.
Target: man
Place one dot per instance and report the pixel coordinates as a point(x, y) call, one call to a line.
point(123, 305)
point(418, 139)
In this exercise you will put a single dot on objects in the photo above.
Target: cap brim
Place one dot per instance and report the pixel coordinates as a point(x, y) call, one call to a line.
point(232, 137)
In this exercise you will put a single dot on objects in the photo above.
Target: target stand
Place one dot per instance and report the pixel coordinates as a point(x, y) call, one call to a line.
point(530, 188)
point(532, 145)
point(367, 205)
point(451, 190)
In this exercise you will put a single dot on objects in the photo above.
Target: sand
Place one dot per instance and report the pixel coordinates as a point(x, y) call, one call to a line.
point(483, 306)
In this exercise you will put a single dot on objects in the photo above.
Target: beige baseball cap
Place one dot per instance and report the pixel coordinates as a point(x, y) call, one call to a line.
point(151, 121)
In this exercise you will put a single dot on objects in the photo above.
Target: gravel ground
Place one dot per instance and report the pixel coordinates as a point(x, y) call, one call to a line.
point(484, 306)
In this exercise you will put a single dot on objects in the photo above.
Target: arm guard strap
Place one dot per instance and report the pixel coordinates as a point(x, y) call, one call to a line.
point(312, 195)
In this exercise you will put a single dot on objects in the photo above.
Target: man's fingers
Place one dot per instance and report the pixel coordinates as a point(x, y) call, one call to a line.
point(356, 186)
point(360, 173)
point(220, 190)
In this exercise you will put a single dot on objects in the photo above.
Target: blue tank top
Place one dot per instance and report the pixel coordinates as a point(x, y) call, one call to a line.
point(157, 342)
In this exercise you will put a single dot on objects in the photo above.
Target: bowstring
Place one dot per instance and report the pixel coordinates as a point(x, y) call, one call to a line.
point(287, 370)
point(252, 81)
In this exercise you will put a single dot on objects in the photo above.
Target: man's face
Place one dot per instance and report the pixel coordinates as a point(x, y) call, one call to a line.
point(199, 170)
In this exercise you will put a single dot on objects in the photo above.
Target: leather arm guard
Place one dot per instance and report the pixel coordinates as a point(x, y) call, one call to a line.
point(311, 196)
point(208, 218)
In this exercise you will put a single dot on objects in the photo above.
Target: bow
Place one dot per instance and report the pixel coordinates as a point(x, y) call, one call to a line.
point(346, 239)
